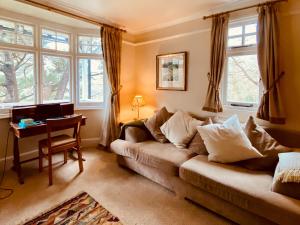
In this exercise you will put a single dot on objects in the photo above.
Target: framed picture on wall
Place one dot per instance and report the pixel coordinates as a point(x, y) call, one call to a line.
point(171, 71)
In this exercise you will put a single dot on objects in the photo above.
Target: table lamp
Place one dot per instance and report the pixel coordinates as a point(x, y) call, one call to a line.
point(137, 102)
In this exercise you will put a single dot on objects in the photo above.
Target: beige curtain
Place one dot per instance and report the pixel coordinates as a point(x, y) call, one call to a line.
point(111, 40)
point(217, 59)
point(271, 108)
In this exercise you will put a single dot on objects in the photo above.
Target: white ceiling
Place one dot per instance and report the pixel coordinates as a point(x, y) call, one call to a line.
point(135, 15)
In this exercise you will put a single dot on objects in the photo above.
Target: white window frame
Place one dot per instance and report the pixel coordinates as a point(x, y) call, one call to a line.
point(239, 51)
point(73, 54)
point(88, 105)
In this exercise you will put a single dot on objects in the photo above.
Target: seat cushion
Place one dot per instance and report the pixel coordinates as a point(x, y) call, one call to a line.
point(166, 157)
point(244, 188)
point(56, 141)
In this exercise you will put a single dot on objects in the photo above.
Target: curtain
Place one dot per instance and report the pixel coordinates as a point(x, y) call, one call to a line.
point(217, 59)
point(271, 108)
point(111, 41)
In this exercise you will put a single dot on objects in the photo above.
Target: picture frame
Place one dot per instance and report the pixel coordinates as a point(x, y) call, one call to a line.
point(171, 71)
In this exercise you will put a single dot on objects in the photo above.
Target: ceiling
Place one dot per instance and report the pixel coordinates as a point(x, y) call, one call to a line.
point(136, 16)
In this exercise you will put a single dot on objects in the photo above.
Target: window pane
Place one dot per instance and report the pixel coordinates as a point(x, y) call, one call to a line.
point(233, 31)
point(55, 41)
point(63, 42)
point(17, 80)
point(234, 42)
point(89, 45)
point(16, 33)
point(56, 79)
point(48, 39)
point(90, 80)
point(243, 79)
point(250, 40)
point(250, 28)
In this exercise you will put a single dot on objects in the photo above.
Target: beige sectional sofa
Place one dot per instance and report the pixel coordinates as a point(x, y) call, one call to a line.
point(241, 195)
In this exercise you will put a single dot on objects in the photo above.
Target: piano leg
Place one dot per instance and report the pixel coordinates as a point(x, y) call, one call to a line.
point(17, 164)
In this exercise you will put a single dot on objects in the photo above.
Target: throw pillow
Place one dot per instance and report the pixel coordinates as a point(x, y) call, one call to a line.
point(154, 123)
point(180, 129)
point(227, 142)
point(197, 144)
point(287, 175)
point(265, 144)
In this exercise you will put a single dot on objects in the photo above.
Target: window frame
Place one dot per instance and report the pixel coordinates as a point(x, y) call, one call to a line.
point(88, 105)
point(239, 51)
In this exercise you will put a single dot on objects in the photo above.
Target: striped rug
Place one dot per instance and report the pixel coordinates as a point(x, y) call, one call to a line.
point(80, 210)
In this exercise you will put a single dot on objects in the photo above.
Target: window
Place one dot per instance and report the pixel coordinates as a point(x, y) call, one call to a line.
point(51, 71)
point(55, 40)
point(56, 79)
point(241, 84)
point(17, 78)
point(90, 75)
point(16, 33)
point(89, 45)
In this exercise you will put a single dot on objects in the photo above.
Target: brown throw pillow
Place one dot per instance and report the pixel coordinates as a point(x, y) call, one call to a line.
point(154, 123)
point(265, 144)
point(286, 179)
point(197, 144)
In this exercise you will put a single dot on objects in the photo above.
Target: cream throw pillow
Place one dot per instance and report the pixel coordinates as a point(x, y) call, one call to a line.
point(227, 142)
point(180, 129)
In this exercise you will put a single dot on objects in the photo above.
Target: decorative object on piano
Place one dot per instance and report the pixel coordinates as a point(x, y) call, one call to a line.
point(26, 123)
point(171, 71)
point(82, 204)
point(137, 102)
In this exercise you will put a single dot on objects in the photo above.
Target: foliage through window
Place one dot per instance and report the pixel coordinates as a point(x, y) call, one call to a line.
point(241, 84)
point(55, 40)
point(91, 80)
point(56, 79)
point(17, 78)
point(16, 33)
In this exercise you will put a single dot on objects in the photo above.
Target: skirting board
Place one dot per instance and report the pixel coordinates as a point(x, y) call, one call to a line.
point(85, 143)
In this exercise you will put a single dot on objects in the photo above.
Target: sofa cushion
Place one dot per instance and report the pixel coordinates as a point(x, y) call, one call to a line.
point(180, 128)
point(244, 188)
point(287, 175)
point(265, 144)
point(154, 123)
point(166, 157)
point(227, 142)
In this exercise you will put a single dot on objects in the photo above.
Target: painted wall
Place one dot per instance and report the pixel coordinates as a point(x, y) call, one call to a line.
point(194, 37)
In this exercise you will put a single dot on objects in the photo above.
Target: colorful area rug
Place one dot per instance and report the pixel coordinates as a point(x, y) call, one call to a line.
point(80, 210)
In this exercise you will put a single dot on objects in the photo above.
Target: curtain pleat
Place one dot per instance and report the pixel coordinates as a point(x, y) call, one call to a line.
point(271, 106)
point(111, 41)
point(219, 33)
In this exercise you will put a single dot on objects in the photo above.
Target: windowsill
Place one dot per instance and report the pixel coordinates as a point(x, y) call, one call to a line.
point(4, 116)
point(240, 108)
point(84, 108)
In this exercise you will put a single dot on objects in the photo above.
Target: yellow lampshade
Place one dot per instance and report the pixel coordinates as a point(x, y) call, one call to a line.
point(138, 101)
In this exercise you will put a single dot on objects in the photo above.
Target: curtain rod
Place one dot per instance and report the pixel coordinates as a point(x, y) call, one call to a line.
point(65, 13)
point(244, 8)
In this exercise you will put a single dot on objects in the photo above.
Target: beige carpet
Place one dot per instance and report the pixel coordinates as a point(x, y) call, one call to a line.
point(133, 198)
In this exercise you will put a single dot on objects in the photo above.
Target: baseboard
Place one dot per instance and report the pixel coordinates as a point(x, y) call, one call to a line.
point(87, 142)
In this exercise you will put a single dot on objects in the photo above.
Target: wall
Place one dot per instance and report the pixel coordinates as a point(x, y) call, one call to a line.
point(194, 37)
